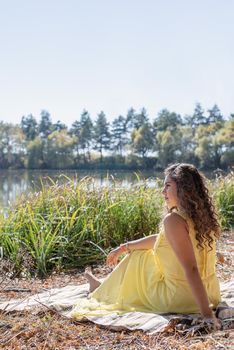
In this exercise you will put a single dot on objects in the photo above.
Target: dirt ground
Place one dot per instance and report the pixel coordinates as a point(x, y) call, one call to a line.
point(45, 329)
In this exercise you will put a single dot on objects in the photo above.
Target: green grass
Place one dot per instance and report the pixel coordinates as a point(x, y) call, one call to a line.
point(75, 224)
point(223, 191)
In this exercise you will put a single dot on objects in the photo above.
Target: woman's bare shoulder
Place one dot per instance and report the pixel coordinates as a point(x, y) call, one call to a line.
point(173, 218)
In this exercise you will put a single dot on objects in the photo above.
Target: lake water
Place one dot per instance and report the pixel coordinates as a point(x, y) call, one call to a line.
point(15, 182)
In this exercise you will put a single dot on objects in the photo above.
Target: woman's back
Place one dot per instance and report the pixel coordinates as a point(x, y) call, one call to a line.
point(173, 273)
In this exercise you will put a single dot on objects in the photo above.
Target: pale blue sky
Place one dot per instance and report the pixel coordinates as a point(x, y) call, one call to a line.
point(67, 55)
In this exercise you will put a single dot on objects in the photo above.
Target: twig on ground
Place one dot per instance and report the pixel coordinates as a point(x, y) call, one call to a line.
point(47, 336)
point(12, 289)
point(53, 310)
point(14, 336)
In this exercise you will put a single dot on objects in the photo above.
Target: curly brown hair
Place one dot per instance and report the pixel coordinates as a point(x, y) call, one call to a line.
point(195, 201)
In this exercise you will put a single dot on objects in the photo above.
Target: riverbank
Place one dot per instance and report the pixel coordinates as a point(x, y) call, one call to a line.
point(46, 329)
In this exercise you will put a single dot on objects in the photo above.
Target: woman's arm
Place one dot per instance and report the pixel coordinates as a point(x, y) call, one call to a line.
point(142, 243)
point(177, 235)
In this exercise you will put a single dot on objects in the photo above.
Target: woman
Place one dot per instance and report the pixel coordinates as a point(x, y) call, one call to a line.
point(171, 272)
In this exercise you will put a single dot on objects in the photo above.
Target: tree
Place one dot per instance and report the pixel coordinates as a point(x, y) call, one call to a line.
point(59, 154)
point(35, 154)
point(142, 139)
point(85, 132)
point(130, 118)
point(208, 149)
point(29, 127)
point(102, 135)
point(225, 140)
point(198, 117)
point(214, 115)
point(58, 126)
point(188, 145)
point(139, 119)
point(75, 133)
point(204, 152)
point(45, 124)
point(141, 135)
point(168, 146)
point(82, 132)
point(166, 120)
point(12, 150)
point(119, 134)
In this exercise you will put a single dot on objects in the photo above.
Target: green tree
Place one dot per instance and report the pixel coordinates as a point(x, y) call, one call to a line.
point(197, 118)
point(168, 146)
point(29, 127)
point(225, 140)
point(35, 154)
point(119, 134)
point(12, 146)
point(142, 139)
point(82, 132)
point(85, 133)
point(130, 119)
point(75, 133)
point(214, 115)
point(59, 154)
point(188, 145)
point(166, 120)
point(45, 124)
point(102, 137)
point(204, 136)
point(58, 126)
point(139, 119)
point(204, 152)
point(209, 149)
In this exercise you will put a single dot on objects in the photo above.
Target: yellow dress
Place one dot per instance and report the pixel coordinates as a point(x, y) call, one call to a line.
point(152, 281)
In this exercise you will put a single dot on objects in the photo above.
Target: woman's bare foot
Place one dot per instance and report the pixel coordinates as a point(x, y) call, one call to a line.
point(93, 281)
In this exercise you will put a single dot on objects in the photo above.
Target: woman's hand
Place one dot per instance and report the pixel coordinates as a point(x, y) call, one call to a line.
point(214, 322)
point(113, 256)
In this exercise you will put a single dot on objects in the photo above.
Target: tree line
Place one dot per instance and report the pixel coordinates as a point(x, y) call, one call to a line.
point(205, 139)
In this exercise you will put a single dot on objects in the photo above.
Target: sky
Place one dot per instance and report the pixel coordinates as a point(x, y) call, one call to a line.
point(65, 56)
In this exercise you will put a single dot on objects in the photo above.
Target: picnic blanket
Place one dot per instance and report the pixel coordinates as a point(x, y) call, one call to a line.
point(63, 299)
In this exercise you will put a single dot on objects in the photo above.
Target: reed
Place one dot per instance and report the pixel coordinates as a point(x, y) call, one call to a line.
point(75, 224)
point(223, 191)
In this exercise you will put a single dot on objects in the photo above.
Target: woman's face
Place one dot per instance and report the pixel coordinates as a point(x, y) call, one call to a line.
point(170, 192)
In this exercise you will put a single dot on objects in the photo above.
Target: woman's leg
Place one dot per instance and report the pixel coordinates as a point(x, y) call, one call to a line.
point(94, 283)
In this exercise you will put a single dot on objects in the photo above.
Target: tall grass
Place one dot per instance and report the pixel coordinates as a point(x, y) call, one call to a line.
point(223, 192)
point(75, 224)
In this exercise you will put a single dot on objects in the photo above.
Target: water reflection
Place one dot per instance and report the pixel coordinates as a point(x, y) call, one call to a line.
point(15, 182)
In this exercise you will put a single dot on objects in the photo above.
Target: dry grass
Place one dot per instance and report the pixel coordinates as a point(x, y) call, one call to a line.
point(46, 329)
